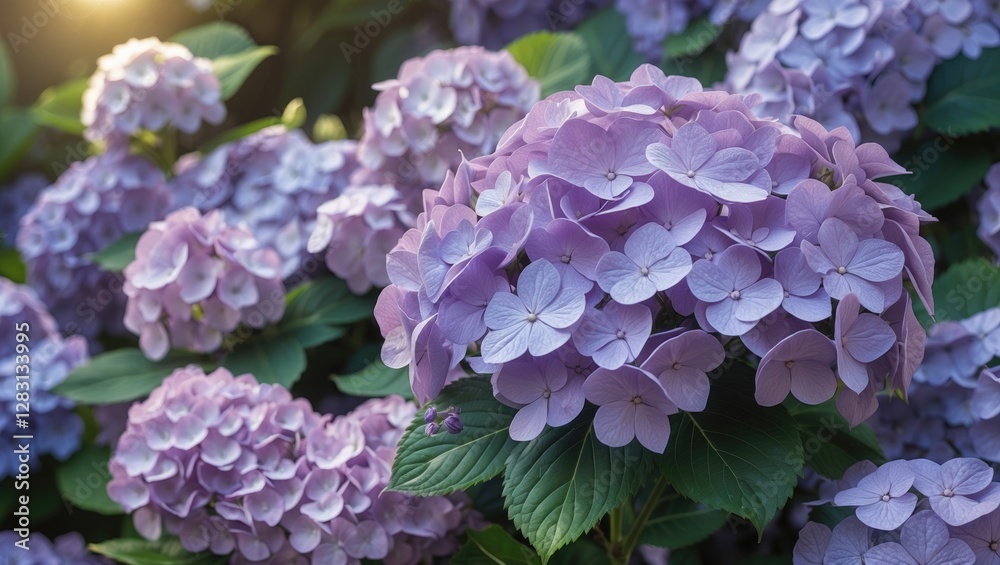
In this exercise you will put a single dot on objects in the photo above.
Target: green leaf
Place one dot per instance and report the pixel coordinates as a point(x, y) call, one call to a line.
point(557, 486)
point(233, 52)
point(83, 481)
point(609, 45)
point(558, 61)
point(215, 39)
point(313, 336)
point(59, 106)
point(695, 38)
point(239, 132)
point(709, 67)
point(120, 375)
point(829, 444)
point(318, 77)
point(445, 463)
point(118, 255)
point(8, 78)
point(582, 552)
point(493, 546)
point(324, 301)
point(963, 96)
point(735, 456)
point(233, 70)
point(275, 360)
point(376, 380)
point(679, 522)
point(143, 552)
point(19, 129)
point(943, 170)
point(341, 14)
point(11, 266)
point(830, 515)
point(965, 289)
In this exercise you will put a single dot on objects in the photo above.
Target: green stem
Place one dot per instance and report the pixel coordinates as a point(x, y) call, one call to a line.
point(640, 522)
point(615, 533)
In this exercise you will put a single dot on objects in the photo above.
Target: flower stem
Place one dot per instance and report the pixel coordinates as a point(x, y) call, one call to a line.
point(640, 522)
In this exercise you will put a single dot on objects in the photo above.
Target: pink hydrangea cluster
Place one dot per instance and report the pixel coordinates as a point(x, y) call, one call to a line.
point(270, 182)
point(626, 237)
point(196, 278)
point(228, 464)
point(148, 84)
point(92, 205)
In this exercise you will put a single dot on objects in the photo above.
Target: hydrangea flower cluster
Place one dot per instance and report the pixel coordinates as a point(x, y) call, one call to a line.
point(442, 107)
point(620, 228)
point(956, 351)
point(954, 520)
point(51, 359)
point(989, 210)
point(67, 549)
point(862, 64)
point(92, 205)
point(229, 464)
point(15, 201)
point(148, 84)
point(196, 278)
point(933, 424)
point(270, 182)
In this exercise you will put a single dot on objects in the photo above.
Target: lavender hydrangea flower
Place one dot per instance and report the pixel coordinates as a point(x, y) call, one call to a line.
point(272, 183)
point(195, 279)
point(924, 541)
point(959, 490)
point(51, 359)
point(633, 404)
point(982, 535)
point(500, 265)
point(882, 498)
point(66, 549)
point(547, 394)
point(989, 210)
point(147, 84)
point(231, 465)
point(92, 204)
point(15, 201)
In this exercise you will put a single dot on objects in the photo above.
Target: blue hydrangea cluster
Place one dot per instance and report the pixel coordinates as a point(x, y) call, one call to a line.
point(989, 210)
point(861, 64)
point(67, 549)
point(955, 518)
point(16, 199)
point(148, 84)
point(48, 358)
point(623, 232)
point(92, 204)
point(230, 465)
point(934, 423)
point(271, 183)
point(195, 279)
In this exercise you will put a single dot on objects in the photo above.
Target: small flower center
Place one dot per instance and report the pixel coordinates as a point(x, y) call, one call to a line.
point(993, 546)
point(789, 364)
point(546, 393)
point(532, 317)
point(621, 230)
point(644, 271)
point(786, 294)
point(611, 175)
point(637, 400)
point(620, 334)
point(842, 269)
point(735, 295)
point(690, 174)
point(709, 255)
point(677, 366)
point(565, 258)
point(885, 498)
point(948, 492)
point(774, 184)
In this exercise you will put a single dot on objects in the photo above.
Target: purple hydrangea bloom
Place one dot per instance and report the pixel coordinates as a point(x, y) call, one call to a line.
point(502, 260)
point(67, 549)
point(959, 490)
point(633, 404)
point(232, 466)
point(195, 279)
point(924, 541)
point(547, 394)
point(92, 205)
point(272, 183)
point(49, 359)
point(989, 210)
point(15, 201)
point(146, 84)
point(882, 498)
point(982, 535)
